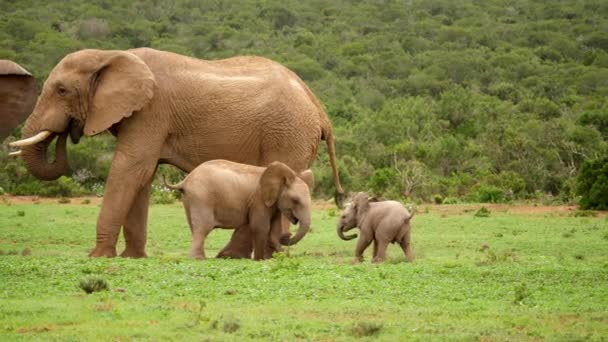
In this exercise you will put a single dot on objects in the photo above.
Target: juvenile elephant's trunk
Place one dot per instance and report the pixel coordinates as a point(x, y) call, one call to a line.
point(302, 231)
point(345, 237)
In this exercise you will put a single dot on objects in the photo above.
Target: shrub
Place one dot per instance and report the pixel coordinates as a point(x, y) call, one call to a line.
point(62, 187)
point(488, 194)
point(162, 195)
point(93, 284)
point(483, 212)
point(438, 199)
point(592, 184)
point(63, 200)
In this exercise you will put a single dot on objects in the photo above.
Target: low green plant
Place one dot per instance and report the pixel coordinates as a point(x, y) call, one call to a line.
point(362, 329)
point(483, 212)
point(94, 284)
point(584, 213)
point(63, 200)
point(231, 325)
point(521, 292)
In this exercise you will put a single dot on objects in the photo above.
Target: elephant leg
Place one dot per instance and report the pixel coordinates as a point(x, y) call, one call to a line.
point(406, 245)
point(128, 176)
point(381, 253)
point(375, 248)
point(201, 225)
point(135, 231)
point(276, 234)
point(365, 239)
point(240, 245)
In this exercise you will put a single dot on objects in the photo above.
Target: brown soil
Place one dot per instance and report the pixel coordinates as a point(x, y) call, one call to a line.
point(452, 209)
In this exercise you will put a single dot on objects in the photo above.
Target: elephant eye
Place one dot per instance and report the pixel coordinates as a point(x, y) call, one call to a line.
point(296, 201)
point(62, 91)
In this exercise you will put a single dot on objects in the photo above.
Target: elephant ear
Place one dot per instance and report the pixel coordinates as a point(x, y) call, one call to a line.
point(18, 94)
point(361, 202)
point(308, 177)
point(121, 85)
point(276, 176)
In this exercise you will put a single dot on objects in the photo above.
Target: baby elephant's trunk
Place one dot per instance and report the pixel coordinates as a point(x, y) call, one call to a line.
point(302, 230)
point(345, 237)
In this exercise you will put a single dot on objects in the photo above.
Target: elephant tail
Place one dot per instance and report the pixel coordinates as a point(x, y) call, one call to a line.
point(328, 136)
point(177, 187)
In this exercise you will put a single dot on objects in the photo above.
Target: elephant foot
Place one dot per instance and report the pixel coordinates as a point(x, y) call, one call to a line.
point(133, 253)
point(356, 260)
point(198, 256)
point(377, 260)
point(109, 252)
point(233, 254)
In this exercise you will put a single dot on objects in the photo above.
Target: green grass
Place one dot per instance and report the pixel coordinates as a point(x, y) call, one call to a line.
point(503, 277)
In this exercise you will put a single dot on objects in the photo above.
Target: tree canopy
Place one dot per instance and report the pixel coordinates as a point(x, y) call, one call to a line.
point(476, 100)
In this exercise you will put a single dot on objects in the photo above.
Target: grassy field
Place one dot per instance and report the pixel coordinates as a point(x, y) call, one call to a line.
point(509, 276)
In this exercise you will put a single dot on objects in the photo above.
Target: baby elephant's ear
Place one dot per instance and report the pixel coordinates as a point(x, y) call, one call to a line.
point(275, 177)
point(309, 178)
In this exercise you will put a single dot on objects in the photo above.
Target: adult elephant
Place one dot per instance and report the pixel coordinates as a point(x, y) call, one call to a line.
point(167, 108)
point(18, 94)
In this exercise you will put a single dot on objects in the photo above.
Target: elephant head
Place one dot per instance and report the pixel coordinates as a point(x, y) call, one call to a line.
point(353, 214)
point(87, 92)
point(18, 94)
point(281, 186)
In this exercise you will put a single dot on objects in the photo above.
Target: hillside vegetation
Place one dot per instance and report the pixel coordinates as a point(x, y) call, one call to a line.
point(432, 100)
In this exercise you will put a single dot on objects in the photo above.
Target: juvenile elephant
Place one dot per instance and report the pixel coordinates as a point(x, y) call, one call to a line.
point(167, 108)
point(220, 193)
point(382, 221)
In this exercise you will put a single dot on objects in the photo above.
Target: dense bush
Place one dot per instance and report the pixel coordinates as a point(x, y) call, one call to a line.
point(593, 184)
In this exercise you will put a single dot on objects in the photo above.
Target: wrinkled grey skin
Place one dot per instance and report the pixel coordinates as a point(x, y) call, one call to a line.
point(382, 222)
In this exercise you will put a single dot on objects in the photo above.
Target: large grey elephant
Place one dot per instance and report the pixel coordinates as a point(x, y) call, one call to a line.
point(18, 94)
point(167, 108)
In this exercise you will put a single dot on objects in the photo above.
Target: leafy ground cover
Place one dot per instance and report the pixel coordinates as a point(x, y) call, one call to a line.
point(513, 275)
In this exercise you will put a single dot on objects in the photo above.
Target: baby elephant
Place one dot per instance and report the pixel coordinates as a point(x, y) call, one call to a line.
point(221, 193)
point(380, 221)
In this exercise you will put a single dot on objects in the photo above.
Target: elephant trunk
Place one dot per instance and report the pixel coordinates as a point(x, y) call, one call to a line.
point(35, 158)
point(345, 237)
point(303, 229)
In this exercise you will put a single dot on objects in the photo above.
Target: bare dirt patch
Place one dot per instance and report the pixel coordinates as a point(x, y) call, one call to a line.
point(86, 200)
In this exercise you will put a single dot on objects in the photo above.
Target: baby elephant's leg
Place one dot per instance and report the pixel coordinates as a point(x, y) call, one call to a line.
point(381, 253)
point(406, 245)
point(201, 222)
point(365, 239)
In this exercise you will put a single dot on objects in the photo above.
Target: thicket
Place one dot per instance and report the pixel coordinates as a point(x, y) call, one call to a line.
point(432, 100)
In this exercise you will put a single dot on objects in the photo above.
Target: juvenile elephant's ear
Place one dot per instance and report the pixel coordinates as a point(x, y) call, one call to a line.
point(275, 177)
point(361, 202)
point(309, 178)
point(121, 85)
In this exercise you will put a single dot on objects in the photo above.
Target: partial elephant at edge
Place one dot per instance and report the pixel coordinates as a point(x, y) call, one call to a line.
point(18, 94)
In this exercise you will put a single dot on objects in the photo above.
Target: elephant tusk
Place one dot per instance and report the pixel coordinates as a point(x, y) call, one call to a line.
point(32, 140)
point(15, 153)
